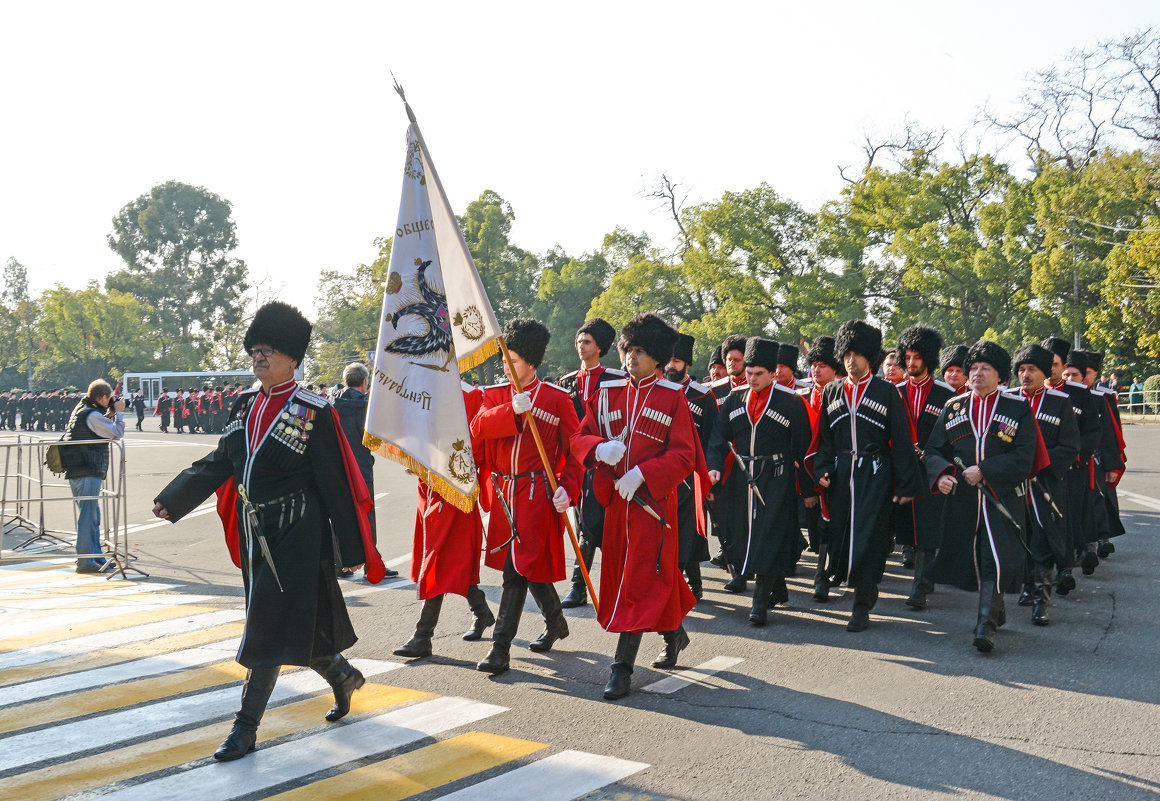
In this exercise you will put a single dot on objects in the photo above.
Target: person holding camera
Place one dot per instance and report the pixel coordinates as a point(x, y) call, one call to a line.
point(97, 418)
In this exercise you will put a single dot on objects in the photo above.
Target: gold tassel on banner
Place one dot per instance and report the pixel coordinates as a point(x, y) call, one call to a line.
point(446, 490)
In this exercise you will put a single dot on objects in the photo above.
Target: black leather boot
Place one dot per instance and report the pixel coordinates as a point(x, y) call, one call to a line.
point(1088, 560)
point(578, 595)
point(908, 552)
point(864, 600)
point(1041, 599)
point(720, 560)
point(1065, 582)
point(759, 614)
point(1027, 593)
point(620, 682)
point(255, 695)
point(343, 677)
point(555, 625)
point(999, 610)
point(1105, 548)
point(922, 585)
point(778, 591)
point(737, 583)
point(676, 641)
point(985, 623)
point(482, 613)
point(419, 646)
point(821, 580)
point(511, 606)
point(693, 573)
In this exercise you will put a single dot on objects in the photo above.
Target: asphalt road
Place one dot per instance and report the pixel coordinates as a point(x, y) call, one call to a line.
point(802, 708)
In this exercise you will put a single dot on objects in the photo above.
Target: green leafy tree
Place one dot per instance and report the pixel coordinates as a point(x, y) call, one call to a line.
point(18, 318)
point(508, 272)
point(350, 308)
point(177, 242)
point(88, 334)
point(566, 289)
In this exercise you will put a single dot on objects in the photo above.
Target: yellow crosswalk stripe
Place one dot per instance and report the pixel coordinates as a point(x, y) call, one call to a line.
point(123, 653)
point(125, 621)
point(129, 693)
point(141, 759)
point(86, 588)
point(418, 771)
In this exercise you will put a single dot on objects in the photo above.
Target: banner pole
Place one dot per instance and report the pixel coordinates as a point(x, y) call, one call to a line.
point(551, 473)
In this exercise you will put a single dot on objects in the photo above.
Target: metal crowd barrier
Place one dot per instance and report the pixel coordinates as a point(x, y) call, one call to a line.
point(1143, 411)
point(30, 490)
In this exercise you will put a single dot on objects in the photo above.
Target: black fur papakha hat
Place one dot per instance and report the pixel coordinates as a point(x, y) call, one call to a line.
point(953, 356)
point(527, 337)
point(1095, 360)
point(761, 353)
point(282, 327)
point(1034, 354)
point(601, 331)
point(923, 340)
point(862, 338)
point(732, 342)
point(787, 354)
point(993, 354)
point(1077, 359)
point(716, 358)
point(651, 334)
point(823, 351)
point(1060, 347)
point(683, 350)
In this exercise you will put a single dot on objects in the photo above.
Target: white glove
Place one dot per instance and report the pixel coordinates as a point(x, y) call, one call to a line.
point(629, 483)
point(714, 476)
point(561, 500)
point(610, 451)
point(521, 402)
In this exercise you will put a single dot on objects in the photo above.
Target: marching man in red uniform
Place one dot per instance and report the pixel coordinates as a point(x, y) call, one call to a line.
point(530, 548)
point(640, 435)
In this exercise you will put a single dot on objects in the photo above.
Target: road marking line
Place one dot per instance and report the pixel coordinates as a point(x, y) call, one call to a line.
point(418, 771)
point(399, 560)
point(151, 520)
point(122, 673)
point(136, 627)
point(159, 753)
point(28, 624)
point(70, 662)
point(157, 524)
point(1144, 500)
point(308, 755)
point(55, 589)
point(43, 564)
point(560, 777)
point(139, 722)
point(694, 675)
point(128, 694)
point(80, 597)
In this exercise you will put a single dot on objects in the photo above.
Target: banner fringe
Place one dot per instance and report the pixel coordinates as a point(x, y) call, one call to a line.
point(480, 355)
point(449, 492)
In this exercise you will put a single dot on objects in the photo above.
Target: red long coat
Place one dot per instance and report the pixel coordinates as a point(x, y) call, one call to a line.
point(447, 542)
point(510, 450)
point(641, 586)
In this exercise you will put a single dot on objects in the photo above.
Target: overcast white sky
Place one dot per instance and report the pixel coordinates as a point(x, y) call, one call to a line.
point(568, 111)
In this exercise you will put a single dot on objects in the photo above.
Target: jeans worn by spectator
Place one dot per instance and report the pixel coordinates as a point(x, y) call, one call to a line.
point(88, 519)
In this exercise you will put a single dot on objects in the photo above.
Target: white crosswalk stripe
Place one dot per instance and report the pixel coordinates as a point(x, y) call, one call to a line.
point(72, 617)
point(561, 777)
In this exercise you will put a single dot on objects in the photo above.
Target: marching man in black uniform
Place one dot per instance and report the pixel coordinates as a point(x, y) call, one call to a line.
point(593, 340)
point(694, 548)
point(1046, 494)
point(767, 432)
point(919, 524)
point(952, 364)
point(865, 459)
point(284, 471)
point(733, 354)
point(981, 451)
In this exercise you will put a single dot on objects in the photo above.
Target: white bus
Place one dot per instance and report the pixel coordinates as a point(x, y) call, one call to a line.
point(151, 385)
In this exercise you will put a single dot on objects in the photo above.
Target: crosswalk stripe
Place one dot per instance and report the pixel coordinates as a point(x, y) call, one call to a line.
point(124, 672)
point(36, 564)
point(16, 583)
point(693, 675)
point(43, 572)
point(69, 662)
point(25, 626)
point(53, 602)
point(96, 590)
point(145, 719)
point(159, 753)
point(139, 527)
point(418, 771)
point(302, 757)
point(66, 641)
point(1143, 500)
point(560, 777)
point(129, 693)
